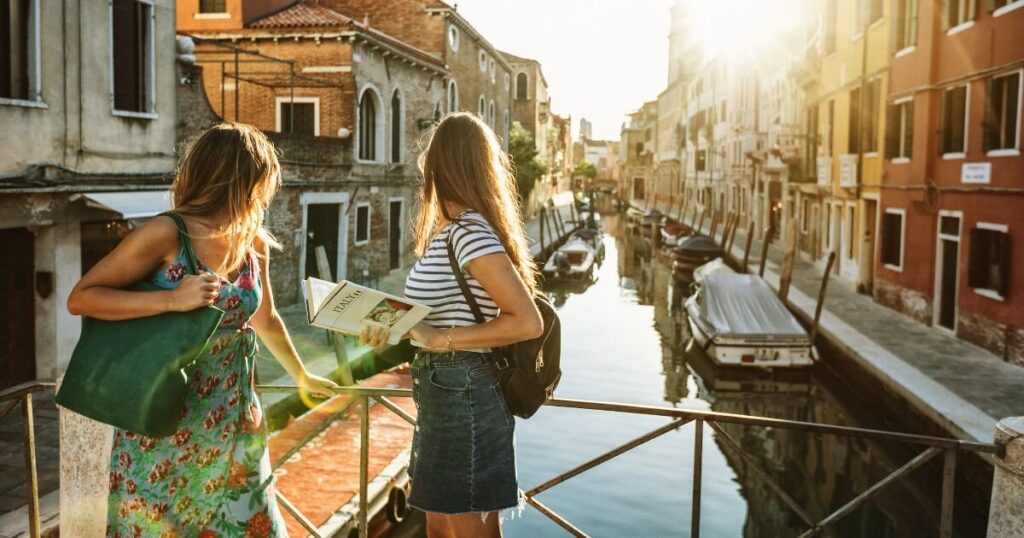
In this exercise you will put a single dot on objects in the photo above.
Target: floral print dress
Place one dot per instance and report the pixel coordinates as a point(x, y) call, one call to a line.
point(212, 478)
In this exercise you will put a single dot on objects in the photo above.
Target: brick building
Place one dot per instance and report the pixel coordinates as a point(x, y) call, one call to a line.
point(951, 196)
point(480, 78)
point(348, 106)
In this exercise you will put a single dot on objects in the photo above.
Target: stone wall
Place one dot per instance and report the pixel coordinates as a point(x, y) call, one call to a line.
point(903, 300)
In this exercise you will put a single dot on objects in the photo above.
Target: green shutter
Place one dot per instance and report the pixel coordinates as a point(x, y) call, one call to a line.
point(912, 15)
point(990, 5)
point(892, 131)
point(943, 121)
point(977, 264)
point(946, 5)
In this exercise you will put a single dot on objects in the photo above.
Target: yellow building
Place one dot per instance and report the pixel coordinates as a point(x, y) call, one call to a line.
point(847, 83)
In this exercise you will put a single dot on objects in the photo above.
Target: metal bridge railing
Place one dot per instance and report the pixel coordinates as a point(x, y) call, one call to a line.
point(362, 396)
point(932, 447)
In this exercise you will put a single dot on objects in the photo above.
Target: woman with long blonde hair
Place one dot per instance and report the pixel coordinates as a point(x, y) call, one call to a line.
point(212, 477)
point(463, 466)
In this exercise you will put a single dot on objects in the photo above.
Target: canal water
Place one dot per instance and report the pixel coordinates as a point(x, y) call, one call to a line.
point(622, 341)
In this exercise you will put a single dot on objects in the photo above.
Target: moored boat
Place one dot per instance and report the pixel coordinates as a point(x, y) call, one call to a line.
point(739, 321)
point(692, 252)
point(573, 260)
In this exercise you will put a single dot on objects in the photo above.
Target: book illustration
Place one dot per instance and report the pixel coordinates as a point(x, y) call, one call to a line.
point(388, 312)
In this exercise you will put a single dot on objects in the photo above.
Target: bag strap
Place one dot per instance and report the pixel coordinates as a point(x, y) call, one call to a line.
point(463, 285)
point(190, 255)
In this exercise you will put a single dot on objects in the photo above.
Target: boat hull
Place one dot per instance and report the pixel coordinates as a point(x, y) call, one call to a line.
point(759, 353)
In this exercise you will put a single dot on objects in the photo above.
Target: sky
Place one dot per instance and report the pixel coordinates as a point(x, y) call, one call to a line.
point(601, 58)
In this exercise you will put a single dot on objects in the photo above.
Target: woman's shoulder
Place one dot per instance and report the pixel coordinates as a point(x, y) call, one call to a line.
point(474, 221)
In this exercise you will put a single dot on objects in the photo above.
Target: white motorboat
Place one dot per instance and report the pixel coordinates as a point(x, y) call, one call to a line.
point(573, 260)
point(739, 321)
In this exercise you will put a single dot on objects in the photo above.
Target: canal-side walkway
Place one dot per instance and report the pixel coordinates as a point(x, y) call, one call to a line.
point(960, 386)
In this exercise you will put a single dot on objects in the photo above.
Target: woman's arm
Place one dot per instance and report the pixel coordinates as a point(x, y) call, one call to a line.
point(517, 320)
point(102, 293)
point(272, 331)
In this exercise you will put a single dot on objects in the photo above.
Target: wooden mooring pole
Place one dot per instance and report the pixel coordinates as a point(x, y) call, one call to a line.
point(787, 260)
point(732, 233)
point(821, 299)
point(542, 245)
point(336, 340)
point(746, 248)
point(764, 250)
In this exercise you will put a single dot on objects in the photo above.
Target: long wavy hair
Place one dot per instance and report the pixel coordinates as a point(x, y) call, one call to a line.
point(230, 170)
point(464, 164)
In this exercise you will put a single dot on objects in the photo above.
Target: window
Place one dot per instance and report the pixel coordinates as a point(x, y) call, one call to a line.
point(453, 38)
point(491, 114)
point(906, 24)
point(701, 161)
point(483, 61)
point(362, 223)
point(481, 108)
point(953, 118)
point(874, 10)
point(1003, 6)
point(132, 46)
point(453, 97)
point(212, 6)
point(300, 117)
point(492, 69)
point(437, 112)
point(19, 44)
point(507, 84)
point(958, 12)
point(522, 86)
point(853, 129)
point(368, 126)
point(990, 257)
point(1002, 112)
point(396, 127)
point(892, 239)
point(508, 124)
point(871, 115)
point(829, 127)
point(899, 130)
point(830, 26)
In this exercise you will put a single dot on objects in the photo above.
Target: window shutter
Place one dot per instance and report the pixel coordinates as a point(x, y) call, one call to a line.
point(909, 149)
point(897, 25)
point(944, 122)
point(1001, 249)
point(972, 10)
point(989, 136)
point(990, 5)
point(912, 15)
point(892, 131)
point(945, 14)
point(977, 266)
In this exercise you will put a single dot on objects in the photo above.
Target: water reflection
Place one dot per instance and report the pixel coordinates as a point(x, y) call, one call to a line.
point(623, 336)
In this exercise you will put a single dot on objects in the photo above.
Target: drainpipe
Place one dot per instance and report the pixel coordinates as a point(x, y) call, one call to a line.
point(1005, 517)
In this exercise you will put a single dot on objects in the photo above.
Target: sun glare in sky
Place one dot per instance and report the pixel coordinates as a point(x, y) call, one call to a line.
point(742, 26)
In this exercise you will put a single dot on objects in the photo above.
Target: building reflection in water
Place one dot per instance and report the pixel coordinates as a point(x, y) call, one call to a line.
point(821, 473)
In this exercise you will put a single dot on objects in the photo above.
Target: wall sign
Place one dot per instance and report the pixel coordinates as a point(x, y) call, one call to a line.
point(976, 173)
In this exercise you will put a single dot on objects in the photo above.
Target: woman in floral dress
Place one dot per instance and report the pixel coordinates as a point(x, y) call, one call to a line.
point(212, 477)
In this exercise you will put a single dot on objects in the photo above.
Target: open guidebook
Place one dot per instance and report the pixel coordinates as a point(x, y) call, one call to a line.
point(345, 306)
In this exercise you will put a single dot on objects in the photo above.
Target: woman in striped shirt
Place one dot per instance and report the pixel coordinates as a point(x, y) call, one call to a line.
point(463, 459)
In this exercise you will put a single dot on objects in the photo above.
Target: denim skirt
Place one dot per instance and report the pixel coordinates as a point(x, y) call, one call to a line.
point(463, 451)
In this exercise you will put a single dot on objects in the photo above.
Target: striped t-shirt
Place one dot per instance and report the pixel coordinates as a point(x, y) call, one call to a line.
point(432, 282)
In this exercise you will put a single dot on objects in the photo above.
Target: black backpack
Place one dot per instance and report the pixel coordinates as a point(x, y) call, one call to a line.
point(529, 369)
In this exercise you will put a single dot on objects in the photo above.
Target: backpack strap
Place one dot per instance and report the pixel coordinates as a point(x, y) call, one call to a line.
point(461, 278)
point(190, 256)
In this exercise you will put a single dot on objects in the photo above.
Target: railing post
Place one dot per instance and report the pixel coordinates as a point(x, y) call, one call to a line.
point(698, 456)
point(948, 483)
point(364, 464)
point(1005, 517)
point(30, 465)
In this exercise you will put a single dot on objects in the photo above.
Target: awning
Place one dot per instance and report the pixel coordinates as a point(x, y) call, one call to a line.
point(130, 205)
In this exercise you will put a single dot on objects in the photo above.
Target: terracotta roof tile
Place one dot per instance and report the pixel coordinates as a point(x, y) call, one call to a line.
point(302, 15)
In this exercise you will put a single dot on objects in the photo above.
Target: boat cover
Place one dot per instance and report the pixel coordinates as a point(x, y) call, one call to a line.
point(714, 266)
point(742, 305)
point(697, 243)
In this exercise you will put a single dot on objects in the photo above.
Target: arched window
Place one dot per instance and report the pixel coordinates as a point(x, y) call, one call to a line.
point(483, 62)
point(522, 86)
point(368, 127)
point(396, 127)
point(453, 38)
point(481, 108)
point(453, 97)
point(437, 112)
point(491, 115)
point(507, 125)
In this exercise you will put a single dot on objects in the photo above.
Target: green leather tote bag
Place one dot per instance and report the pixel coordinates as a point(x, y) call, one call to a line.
point(131, 373)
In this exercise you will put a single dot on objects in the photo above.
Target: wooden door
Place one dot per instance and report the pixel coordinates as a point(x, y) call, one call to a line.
point(322, 230)
point(17, 310)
